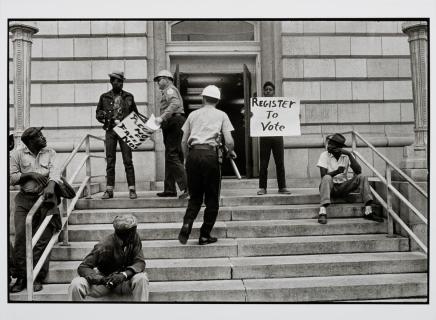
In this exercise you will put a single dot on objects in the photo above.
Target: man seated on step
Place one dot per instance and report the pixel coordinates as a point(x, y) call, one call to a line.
point(333, 165)
point(115, 265)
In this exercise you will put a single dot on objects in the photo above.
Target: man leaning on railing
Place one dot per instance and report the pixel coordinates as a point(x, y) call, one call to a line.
point(333, 165)
point(33, 168)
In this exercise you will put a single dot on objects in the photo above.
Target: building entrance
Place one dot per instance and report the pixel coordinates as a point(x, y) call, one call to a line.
point(232, 103)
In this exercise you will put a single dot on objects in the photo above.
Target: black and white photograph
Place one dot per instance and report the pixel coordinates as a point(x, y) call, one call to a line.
point(246, 162)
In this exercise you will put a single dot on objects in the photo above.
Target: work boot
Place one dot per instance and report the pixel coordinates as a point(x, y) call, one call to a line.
point(184, 195)
point(19, 285)
point(206, 240)
point(322, 219)
point(166, 194)
point(261, 192)
point(184, 233)
point(373, 217)
point(284, 191)
point(132, 194)
point(37, 286)
point(108, 194)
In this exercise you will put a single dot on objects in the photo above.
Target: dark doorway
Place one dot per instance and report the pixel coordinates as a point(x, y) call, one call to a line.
point(232, 103)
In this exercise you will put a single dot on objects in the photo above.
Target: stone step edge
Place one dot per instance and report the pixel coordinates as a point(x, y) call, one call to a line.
point(341, 281)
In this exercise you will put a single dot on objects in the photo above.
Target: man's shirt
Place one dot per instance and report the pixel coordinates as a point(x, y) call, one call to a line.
point(24, 161)
point(171, 102)
point(109, 255)
point(115, 106)
point(329, 162)
point(205, 124)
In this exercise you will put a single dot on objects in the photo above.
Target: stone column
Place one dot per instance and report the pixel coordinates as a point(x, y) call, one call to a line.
point(415, 163)
point(22, 52)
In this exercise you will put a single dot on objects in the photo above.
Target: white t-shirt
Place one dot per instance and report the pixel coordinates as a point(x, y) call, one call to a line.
point(328, 161)
point(203, 125)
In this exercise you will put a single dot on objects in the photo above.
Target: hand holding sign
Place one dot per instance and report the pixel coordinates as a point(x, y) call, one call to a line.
point(275, 116)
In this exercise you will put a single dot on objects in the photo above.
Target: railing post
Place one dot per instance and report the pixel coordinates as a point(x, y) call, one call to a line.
point(389, 200)
point(88, 169)
point(29, 263)
point(353, 141)
point(65, 235)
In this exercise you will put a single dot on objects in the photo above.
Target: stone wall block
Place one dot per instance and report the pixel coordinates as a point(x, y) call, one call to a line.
point(384, 112)
point(89, 92)
point(336, 90)
point(74, 116)
point(366, 46)
point(382, 68)
point(44, 70)
point(319, 26)
point(101, 68)
point(303, 90)
point(135, 27)
point(74, 70)
point(90, 47)
point(348, 68)
point(136, 69)
point(367, 90)
point(57, 48)
point(44, 116)
point(395, 46)
point(321, 113)
point(81, 27)
point(353, 112)
point(350, 27)
point(300, 45)
point(319, 68)
point(335, 46)
point(394, 90)
point(293, 68)
point(57, 93)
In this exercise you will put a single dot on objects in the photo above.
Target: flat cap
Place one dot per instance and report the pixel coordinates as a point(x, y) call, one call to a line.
point(124, 222)
point(117, 74)
point(30, 132)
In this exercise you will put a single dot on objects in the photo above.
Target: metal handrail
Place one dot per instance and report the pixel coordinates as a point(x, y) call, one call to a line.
point(32, 272)
point(390, 189)
point(389, 162)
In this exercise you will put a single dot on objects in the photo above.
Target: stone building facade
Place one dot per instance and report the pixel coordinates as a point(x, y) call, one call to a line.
point(349, 75)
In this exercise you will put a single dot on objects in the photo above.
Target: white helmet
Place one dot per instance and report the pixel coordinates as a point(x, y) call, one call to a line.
point(211, 91)
point(163, 73)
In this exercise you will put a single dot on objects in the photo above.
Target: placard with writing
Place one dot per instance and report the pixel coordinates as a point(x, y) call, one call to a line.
point(275, 116)
point(134, 131)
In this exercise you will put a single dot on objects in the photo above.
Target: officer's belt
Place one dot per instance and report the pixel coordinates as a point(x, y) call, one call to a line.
point(202, 147)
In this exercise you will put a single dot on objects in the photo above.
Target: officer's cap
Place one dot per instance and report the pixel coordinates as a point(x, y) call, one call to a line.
point(30, 133)
point(124, 222)
point(117, 74)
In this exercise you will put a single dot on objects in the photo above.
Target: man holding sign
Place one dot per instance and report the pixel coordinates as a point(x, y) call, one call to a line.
point(269, 143)
point(112, 108)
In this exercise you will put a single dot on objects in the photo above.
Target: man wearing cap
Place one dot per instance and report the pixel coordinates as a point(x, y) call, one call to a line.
point(112, 108)
point(115, 265)
point(199, 144)
point(34, 169)
point(172, 118)
point(274, 145)
point(333, 165)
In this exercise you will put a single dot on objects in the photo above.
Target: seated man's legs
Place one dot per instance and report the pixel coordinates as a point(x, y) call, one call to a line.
point(325, 190)
point(137, 286)
point(80, 288)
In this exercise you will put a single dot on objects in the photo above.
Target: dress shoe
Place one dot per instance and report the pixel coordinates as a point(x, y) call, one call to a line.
point(322, 219)
point(132, 194)
point(207, 240)
point(184, 233)
point(108, 194)
point(184, 195)
point(373, 217)
point(261, 192)
point(284, 191)
point(166, 194)
point(37, 286)
point(19, 285)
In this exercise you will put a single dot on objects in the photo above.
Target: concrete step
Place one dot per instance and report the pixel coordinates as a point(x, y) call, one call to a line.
point(264, 267)
point(305, 289)
point(243, 197)
point(237, 229)
point(236, 213)
point(171, 249)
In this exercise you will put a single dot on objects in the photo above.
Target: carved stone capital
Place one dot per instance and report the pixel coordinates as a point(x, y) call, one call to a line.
point(22, 31)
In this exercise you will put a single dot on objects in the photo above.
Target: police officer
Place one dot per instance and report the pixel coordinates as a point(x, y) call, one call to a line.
point(199, 144)
point(112, 108)
point(171, 119)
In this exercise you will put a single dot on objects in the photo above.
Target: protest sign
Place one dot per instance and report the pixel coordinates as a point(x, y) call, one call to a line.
point(134, 131)
point(275, 116)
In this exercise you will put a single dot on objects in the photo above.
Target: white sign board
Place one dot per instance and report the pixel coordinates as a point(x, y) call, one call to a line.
point(275, 116)
point(134, 131)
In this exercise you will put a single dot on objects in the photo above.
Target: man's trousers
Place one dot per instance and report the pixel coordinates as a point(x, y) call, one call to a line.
point(329, 189)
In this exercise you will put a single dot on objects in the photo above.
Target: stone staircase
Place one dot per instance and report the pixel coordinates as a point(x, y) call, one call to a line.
point(270, 249)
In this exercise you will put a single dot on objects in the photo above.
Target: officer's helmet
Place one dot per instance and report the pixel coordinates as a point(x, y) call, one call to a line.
point(212, 91)
point(163, 73)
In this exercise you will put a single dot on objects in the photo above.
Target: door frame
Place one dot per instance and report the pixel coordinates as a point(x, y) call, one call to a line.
point(252, 51)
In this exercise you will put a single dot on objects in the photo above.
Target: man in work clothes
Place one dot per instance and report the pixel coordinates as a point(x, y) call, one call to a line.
point(32, 167)
point(116, 264)
point(274, 145)
point(112, 108)
point(333, 165)
point(200, 144)
point(171, 119)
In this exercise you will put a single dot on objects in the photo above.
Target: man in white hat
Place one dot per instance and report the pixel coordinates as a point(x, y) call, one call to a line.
point(200, 147)
point(115, 265)
point(112, 108)
point(172, 118)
